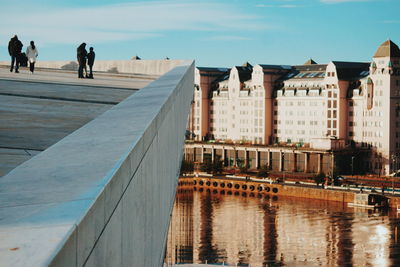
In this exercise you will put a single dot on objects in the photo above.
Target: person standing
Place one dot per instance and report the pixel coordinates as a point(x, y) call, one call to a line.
point(14, 49)
point(90, 56)
point(81, 56)
point(32, 53)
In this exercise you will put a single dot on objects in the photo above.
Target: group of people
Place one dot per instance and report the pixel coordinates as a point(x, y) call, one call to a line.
point(83, 57)
point(18, 58)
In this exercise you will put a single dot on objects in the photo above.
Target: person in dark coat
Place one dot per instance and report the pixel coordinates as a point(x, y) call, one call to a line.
point(14, 49)
point(90, 56)
point(81, 56)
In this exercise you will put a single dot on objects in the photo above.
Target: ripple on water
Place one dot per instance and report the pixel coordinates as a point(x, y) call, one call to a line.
point(236, 229)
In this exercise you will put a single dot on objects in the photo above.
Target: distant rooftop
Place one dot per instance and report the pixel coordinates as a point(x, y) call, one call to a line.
point(349, 71)
point(388, 49)
point(310, 62)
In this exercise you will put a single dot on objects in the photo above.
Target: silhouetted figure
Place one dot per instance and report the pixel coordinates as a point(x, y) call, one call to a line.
point(14, 49)
point(32, 53)
point(81, 55)
point(90, 56)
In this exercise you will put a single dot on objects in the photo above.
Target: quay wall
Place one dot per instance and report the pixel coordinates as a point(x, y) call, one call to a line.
point(240, 186)
point(103, 195)
point(252, 186)
point(147, 67)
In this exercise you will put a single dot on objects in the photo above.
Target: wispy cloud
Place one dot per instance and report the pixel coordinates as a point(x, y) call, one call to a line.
point(391, 21)
point(289, 6)
point(230, 38)
point(341, 1)
point(124, 21)
point(278, 6)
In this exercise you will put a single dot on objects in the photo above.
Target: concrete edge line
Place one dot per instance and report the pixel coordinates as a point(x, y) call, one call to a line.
point(111, 175)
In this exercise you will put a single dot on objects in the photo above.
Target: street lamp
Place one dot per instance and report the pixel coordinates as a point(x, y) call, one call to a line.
point(394, 168)
point(352, 166)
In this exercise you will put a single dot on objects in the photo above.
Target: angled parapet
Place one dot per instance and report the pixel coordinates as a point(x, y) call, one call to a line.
point(103, 195)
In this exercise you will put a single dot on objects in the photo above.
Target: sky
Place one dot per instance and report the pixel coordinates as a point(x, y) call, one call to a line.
point(215, 33)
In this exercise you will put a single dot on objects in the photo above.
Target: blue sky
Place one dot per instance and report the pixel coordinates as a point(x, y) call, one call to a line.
point(215, 33)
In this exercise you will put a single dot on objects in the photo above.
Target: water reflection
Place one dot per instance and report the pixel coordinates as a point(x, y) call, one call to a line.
point(263, 231)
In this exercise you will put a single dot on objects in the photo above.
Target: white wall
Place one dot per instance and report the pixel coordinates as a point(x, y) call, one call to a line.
point(150, 67)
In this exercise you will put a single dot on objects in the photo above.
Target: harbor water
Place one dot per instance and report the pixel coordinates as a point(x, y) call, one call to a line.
point(261, 230)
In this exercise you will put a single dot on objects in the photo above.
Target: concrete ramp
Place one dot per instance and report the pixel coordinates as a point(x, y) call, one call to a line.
point(102, 196)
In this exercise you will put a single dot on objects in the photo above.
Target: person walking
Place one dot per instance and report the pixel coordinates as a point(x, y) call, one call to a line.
point(32, 53)
point(14, 49)
point(90, 56)
point(81, 56)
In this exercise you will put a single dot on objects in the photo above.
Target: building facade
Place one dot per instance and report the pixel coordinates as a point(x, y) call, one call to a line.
point(318, 107)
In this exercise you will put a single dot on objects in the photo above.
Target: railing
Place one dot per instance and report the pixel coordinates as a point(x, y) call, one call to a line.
point(101, 196)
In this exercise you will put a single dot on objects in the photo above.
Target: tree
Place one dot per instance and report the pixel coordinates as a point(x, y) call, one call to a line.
point(206, 166)
point(214, 167)
point(218, 165)
point(187, 166)
point(319, 178)
point(263, 172)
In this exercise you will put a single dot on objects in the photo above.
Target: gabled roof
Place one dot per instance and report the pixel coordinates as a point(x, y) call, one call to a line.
point(245, 71)
point(312, 67)
point(349, 71)
point(388, 49)
point(275, 67)
point(310, 62)
point(212, 69)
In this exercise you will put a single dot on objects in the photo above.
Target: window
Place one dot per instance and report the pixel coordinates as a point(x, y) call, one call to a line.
point(351, 134)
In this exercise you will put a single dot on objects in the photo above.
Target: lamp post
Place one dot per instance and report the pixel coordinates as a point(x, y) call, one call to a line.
point(283, 166)
point(333, 165)
point(352, 166)
point(394, 169)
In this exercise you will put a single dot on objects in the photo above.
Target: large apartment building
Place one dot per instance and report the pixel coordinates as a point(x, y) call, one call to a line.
point(319, 107)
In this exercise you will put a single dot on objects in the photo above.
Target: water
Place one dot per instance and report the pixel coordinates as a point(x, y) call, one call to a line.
point(252, 231)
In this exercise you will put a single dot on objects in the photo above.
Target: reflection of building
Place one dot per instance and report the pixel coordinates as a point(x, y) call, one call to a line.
point(180, 237)
point(313, 106)
point(233, 229)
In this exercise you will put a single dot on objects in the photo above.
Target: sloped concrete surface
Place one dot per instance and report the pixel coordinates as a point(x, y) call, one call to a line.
point(36, 111)
point(101, 196)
